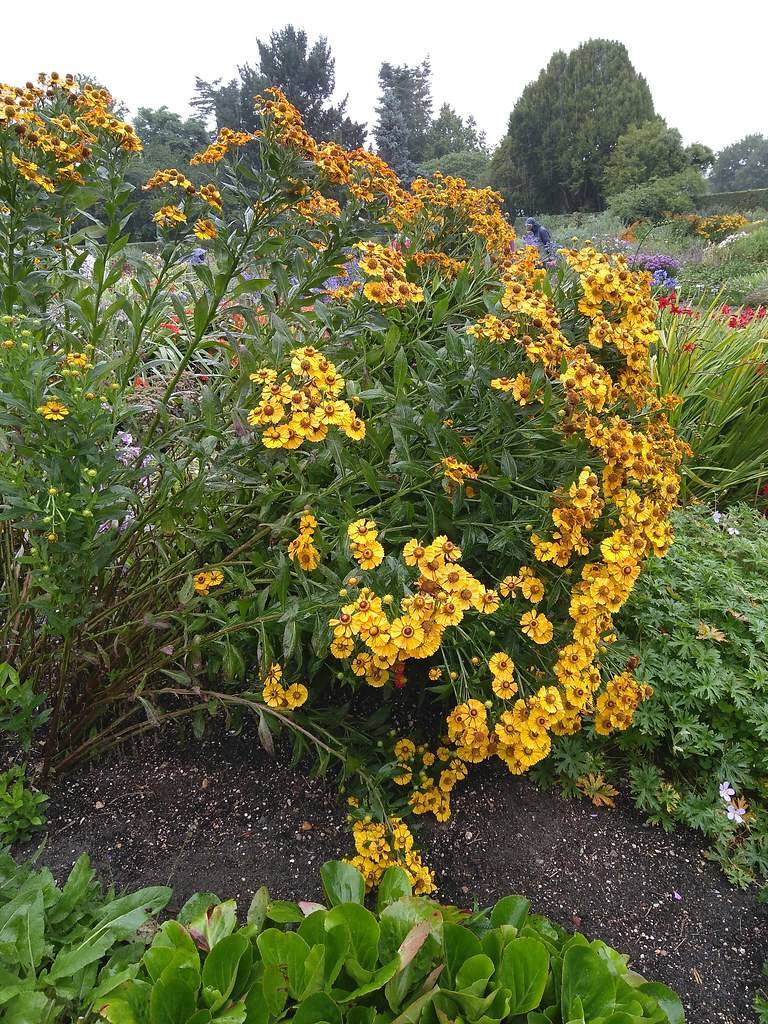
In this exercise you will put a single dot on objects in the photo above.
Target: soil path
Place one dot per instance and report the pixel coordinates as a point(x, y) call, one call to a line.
point(221, 816)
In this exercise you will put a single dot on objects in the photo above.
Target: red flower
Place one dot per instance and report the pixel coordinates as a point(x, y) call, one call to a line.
point(139, 382)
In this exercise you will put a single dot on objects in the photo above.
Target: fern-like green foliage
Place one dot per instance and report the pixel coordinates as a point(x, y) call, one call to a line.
point(698, 620)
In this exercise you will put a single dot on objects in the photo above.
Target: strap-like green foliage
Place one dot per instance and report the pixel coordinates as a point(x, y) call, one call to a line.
point(412, 960)
point(57, 944)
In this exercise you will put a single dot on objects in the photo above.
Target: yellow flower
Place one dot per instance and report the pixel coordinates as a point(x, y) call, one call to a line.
point(501, 665)
point(503, 687)
point(296, 695)
point(207, 579)
point(405, 749)
point(362, 531)
point(53, 410)
point(369, 555)
point(205, 229)
point(169, 216)
point(537, 627)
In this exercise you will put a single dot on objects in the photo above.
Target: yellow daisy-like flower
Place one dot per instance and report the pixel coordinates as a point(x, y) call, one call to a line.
point(537, 627)
point(169, 216)
point(53, 410)
point(405, 749)
point(369, 555)
point(503, 687)
point(296, 695)
point(533, 589)
point(362, 531)
point(205, 229)
point(501, 665)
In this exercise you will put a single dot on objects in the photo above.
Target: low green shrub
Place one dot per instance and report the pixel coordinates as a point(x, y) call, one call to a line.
point(21, 709)
point(21, 808)
point(412, 960)
point(696, 754)
point(655, 200)
point(57, 944)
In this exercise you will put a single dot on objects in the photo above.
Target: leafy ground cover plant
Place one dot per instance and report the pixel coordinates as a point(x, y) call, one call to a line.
point(222, 473)
point(57, 944)
point(21, 807)
point(696, 755)
point(412, 959)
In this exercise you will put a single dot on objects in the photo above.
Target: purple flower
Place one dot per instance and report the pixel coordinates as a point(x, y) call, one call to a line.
point(717, 516)
point(661, 279)
point(124, 437)
point(726, 791)
point(736, 813)
point(195, 258)
point(655, 262)
point(733, 532)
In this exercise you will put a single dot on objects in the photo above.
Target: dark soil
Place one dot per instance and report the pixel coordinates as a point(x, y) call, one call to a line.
point(221, 816)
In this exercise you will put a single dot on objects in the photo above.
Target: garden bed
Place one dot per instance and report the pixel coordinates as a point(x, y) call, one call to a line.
point(220, 815)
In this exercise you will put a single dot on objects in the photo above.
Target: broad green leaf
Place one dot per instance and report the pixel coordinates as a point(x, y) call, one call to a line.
point(668, 1000)
point(363, 929)
point(318, 1007)
point(394, 885)
point(171, 1002)
point(275, 988)
point(510, 910)
point(26, 1008)
point(474, 973)
point(342, 883)
point(220, 969)
point(285, 949)
point(459, 945)
point(587, 977)
point(284, 912)
point(257, 912)
point(523, 971)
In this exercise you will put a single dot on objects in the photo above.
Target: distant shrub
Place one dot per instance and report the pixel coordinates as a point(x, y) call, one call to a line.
point(656, 200)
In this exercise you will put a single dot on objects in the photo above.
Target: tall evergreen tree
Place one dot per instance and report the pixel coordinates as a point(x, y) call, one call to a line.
point(412, 86)
point(566, 124)
point(306, 74)
point(392, 136)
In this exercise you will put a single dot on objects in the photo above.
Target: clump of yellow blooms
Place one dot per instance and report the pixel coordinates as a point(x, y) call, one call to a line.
point(206, 580)
point(302, 549)
point(279, 697)
point(225, 140)
point(455, 472)
point(365, 544)
point(74, 364)
point(380, 846)
point(302, 404)
point(386, 268)
point(445, 265)
point(169, 216)
point(717, 225)
point(56, 148)
point(383, 634)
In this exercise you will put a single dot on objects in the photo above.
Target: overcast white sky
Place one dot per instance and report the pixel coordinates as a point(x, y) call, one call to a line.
point(706, 66)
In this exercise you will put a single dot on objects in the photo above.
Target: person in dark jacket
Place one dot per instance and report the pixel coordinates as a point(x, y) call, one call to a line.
point(541, 238)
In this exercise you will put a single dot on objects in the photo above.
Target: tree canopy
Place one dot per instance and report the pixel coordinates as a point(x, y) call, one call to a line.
point(742, 165)
point(306, 74)
point(471, 165)
point(649, 151)
point(565, 126)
